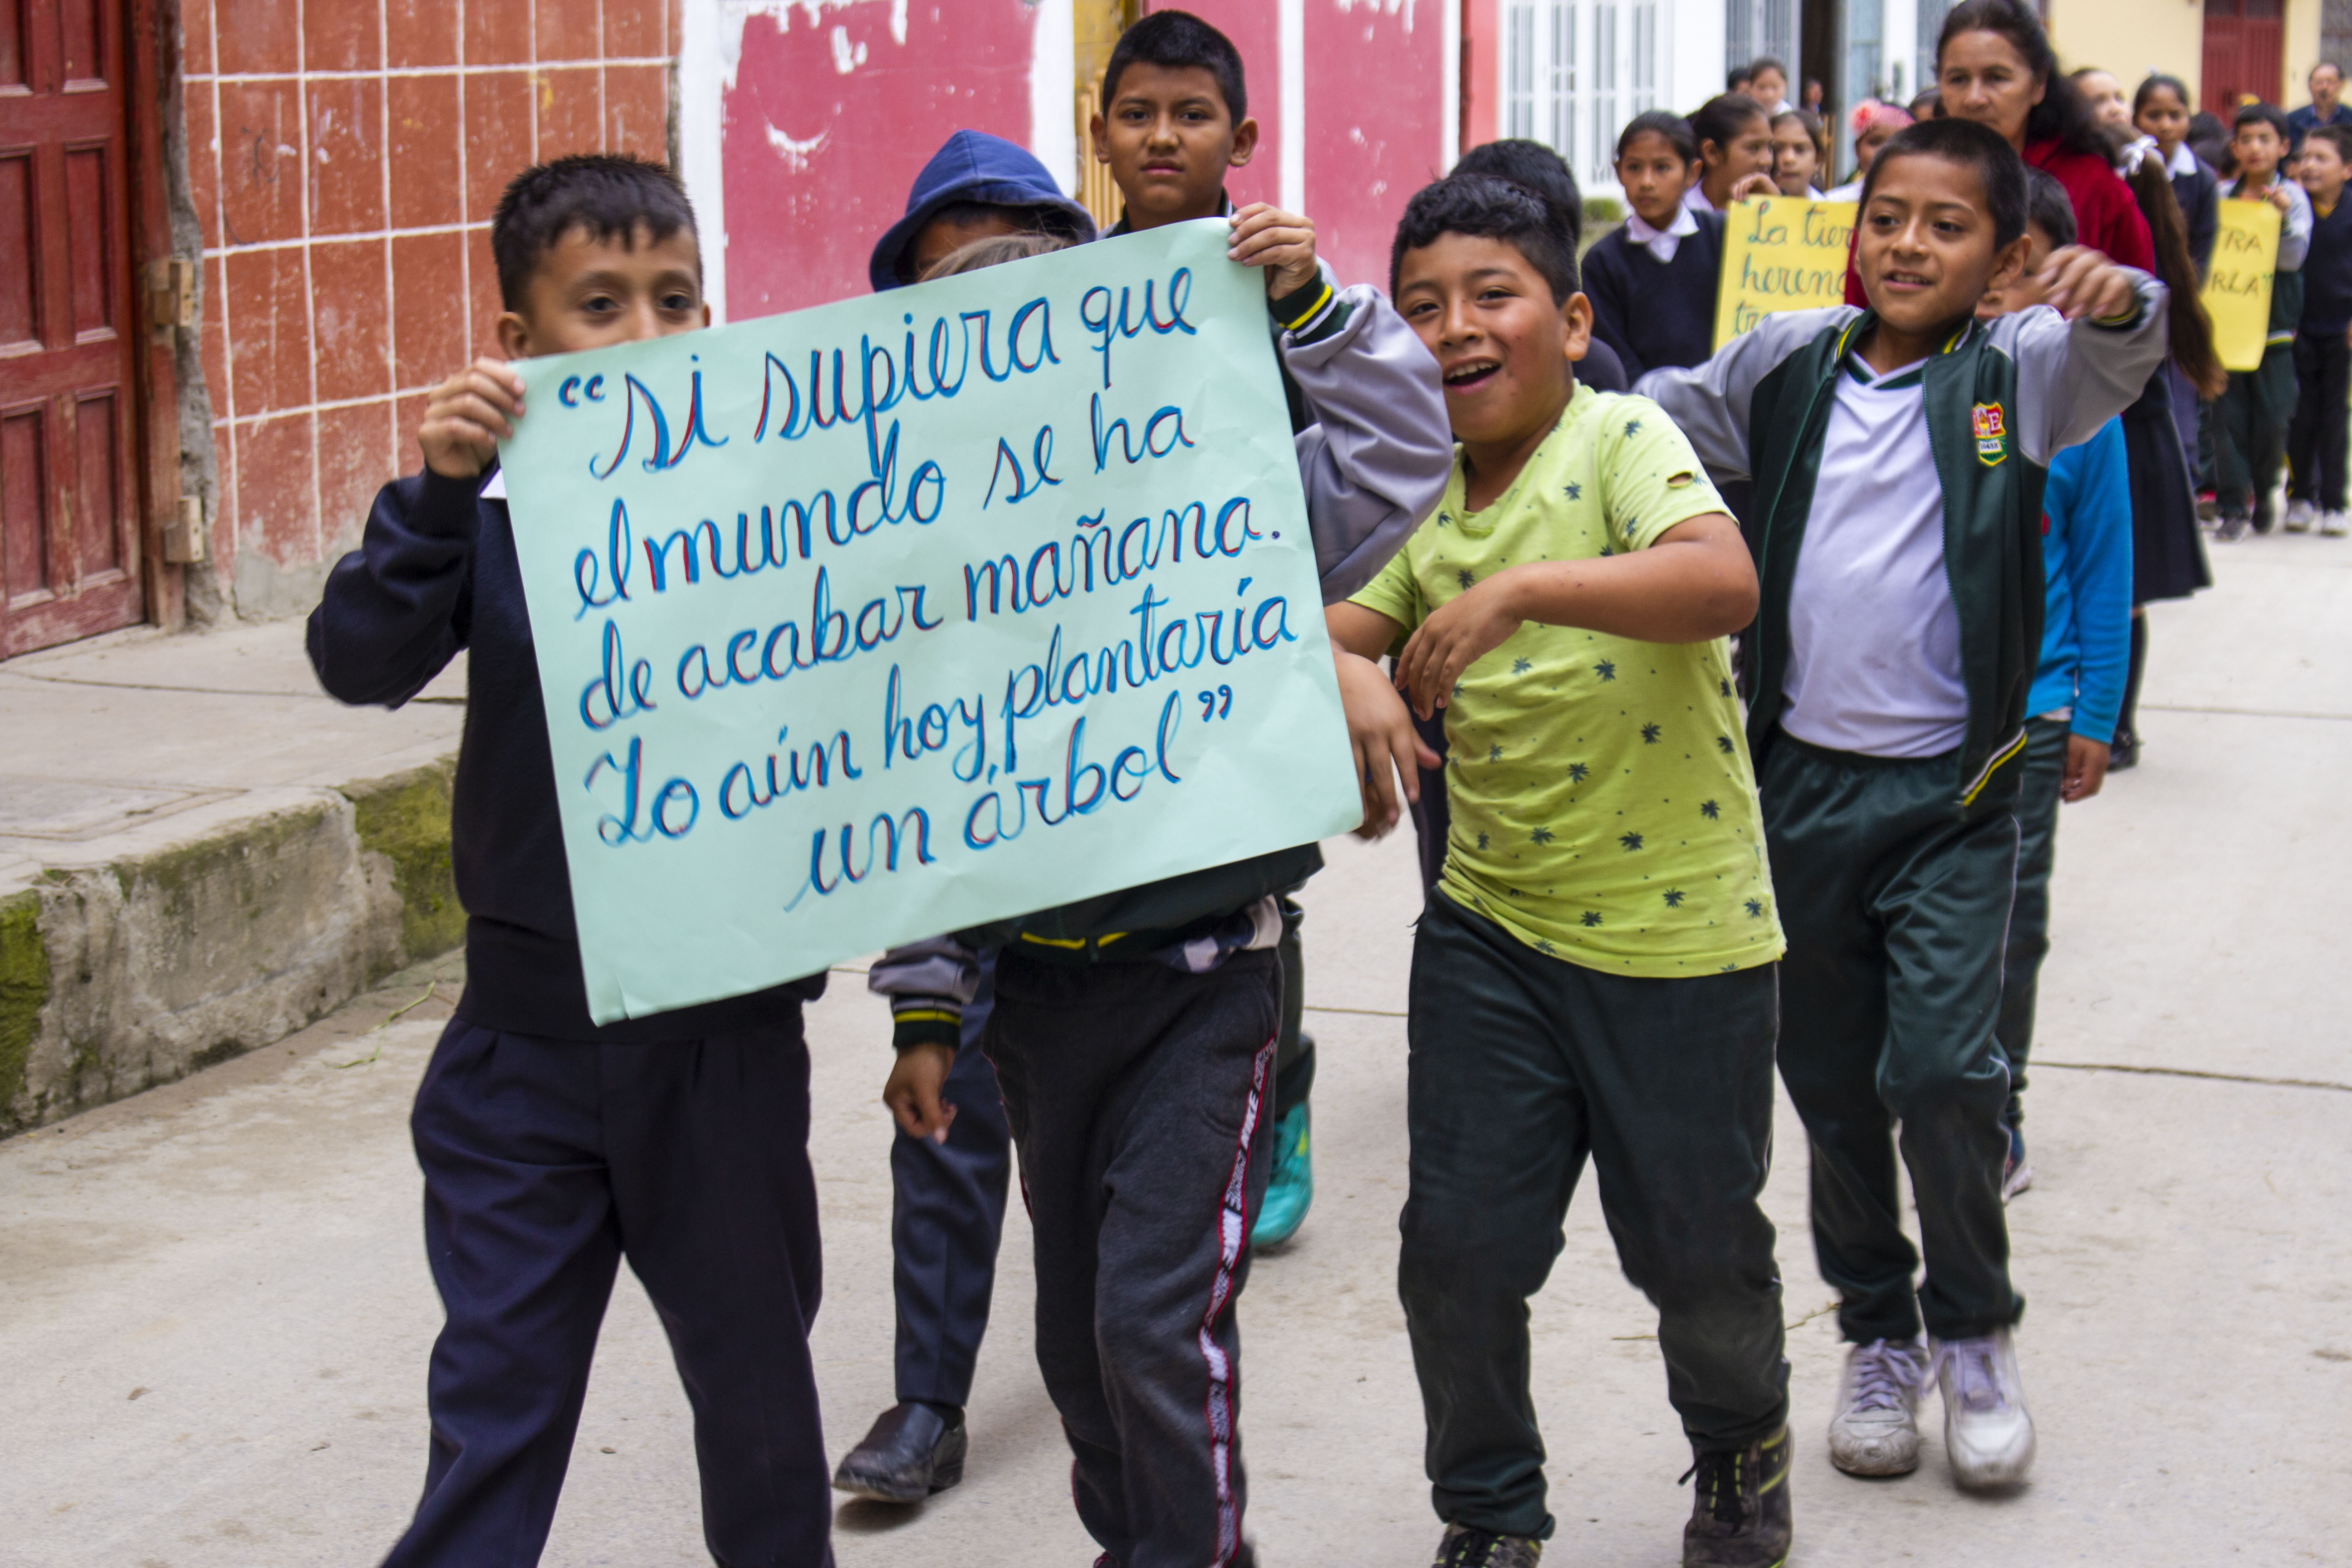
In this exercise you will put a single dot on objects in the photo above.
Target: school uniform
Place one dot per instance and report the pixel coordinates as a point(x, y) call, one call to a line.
point(1134, 1035)
point(1886, 677)
point(551, 1146)
point(2255, 410)
point(2197, 189)
point(1592, 977)
point(2078, 690)
point(1653, 291)
point(2323, 366)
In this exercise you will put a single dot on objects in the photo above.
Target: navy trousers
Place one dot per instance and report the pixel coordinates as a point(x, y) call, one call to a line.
point(547, 1161)
point(947, 1215)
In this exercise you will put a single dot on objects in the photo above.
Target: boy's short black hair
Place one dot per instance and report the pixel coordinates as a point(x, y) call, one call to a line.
point(1672, 127)
point(1763, 63)
point(2336, 136)
point(2049, 208)
point(1173, 40)
point(1998, 168)
point(609, 194)
point(1536, 167)
point(2264, 114)
point(1488, 208)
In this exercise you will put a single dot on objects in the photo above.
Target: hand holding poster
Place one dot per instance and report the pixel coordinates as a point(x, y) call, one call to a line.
point(2237, 292)
point(904, 613)
point(1780, 254)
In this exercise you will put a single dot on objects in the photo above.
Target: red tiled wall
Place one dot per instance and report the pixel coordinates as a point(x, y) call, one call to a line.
point(345, 156)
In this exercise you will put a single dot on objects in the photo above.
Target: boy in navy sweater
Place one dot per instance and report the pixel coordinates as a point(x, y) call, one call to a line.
point(551, 1146)
point(2315, 440)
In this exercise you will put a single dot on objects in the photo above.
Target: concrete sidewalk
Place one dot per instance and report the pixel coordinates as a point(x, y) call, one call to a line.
point(215, 1309)
point(200, 852)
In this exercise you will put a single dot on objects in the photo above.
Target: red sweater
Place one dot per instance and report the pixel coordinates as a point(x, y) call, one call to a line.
point(2106, 215)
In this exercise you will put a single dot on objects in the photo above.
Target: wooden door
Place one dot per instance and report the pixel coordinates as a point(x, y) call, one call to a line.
point(69, 499)
point(2244, 53)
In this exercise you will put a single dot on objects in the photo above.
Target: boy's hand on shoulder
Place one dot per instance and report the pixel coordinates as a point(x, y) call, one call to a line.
point(2084, 282)
point(467, 415)
point(1381, 733)
point(1457, 634)
point(912, 1092)
point(1282, 243)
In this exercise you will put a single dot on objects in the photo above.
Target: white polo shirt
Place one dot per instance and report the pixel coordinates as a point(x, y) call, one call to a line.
point(1873, 636)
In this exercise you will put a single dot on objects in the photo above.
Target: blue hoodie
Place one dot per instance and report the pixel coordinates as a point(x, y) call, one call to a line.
point(973, 166)
point(2086, 559)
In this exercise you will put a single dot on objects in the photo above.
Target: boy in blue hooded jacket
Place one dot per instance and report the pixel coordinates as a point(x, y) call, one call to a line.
point(947, 1195)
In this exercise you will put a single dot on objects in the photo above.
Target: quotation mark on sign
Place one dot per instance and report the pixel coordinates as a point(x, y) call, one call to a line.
point(1218, 703)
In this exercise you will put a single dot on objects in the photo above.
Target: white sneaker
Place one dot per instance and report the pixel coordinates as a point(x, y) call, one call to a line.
point(1875, 1431)
point(2299, 516)
point(2336, 524)
point(1987, 1433)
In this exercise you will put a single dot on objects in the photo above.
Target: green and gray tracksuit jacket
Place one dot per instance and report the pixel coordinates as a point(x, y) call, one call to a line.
point(2002, 397)
point(1374, 458)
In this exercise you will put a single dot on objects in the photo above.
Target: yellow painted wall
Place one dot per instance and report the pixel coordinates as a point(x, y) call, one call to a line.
point(2133, 37)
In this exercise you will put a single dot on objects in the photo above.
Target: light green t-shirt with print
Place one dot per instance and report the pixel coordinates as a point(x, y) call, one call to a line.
point(1603, 806)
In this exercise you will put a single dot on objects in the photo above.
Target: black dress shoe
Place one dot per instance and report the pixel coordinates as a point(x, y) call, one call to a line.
point(913, 1451)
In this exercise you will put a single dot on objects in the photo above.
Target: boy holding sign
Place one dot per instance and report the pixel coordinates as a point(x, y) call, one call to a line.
point(1134, 1034)
point(2251, 419)
point(1594, 974)
point(553, 1146)
point(1906, 446)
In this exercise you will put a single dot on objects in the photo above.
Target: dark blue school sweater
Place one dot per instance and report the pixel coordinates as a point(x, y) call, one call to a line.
point(1655, 314)
point(435, 572)
point(2327, 270)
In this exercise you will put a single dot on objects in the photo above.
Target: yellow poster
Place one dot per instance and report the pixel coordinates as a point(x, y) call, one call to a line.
point(1780, 254)
point(2238, 289)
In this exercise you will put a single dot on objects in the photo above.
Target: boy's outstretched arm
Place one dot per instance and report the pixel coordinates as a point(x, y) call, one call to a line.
point(1711, 402)
point(2089, 356)
point(394, 610)
point(928, 984)
point(1694, 584)
point(1379, 730)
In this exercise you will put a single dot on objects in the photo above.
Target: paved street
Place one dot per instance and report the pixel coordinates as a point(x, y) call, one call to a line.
point(215, 1311)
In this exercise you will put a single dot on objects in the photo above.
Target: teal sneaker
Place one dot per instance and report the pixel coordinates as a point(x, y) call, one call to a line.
point(1291, 1190)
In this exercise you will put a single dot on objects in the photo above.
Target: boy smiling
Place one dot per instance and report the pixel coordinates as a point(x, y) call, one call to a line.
point(1593, 974)
point(1903, 449)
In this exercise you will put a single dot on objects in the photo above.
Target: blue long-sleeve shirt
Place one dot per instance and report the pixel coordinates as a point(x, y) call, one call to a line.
point(2086, 559)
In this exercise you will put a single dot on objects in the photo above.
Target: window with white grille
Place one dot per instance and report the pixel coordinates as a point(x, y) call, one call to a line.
point(1574, 71)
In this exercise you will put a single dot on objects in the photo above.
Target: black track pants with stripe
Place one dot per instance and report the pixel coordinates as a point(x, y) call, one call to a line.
point(1141, 1103)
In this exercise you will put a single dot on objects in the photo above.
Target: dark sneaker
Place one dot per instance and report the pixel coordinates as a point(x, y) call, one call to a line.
point(913, 1451)
point(2232, 527)
point(2123, 751)
point(1466, 1548)
point(1739, 1516)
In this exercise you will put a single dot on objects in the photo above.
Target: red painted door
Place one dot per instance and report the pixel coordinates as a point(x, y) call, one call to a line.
point(2243, 46)
point(69, 495)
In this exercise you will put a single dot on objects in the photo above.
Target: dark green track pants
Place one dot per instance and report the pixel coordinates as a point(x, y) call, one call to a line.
point(1896, 911)
point(1521, 1066)
point(2028, 912)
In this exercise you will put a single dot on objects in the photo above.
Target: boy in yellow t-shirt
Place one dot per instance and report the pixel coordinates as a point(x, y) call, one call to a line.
point(1595, 973)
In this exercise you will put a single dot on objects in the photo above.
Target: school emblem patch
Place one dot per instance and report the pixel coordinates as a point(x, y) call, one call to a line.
point(1991, 433)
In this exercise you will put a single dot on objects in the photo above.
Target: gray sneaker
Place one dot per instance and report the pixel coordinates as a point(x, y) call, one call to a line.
point(1987, 1433)
point(1875, 1431)
point(1464, 1547)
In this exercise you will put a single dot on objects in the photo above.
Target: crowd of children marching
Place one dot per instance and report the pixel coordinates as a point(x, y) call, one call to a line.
point(1734, 694)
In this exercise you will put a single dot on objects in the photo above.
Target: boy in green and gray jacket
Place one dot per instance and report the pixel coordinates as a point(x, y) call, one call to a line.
point(1898, 455)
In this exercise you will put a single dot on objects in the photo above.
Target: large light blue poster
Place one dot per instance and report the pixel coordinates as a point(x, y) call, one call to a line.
point(903, 613)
